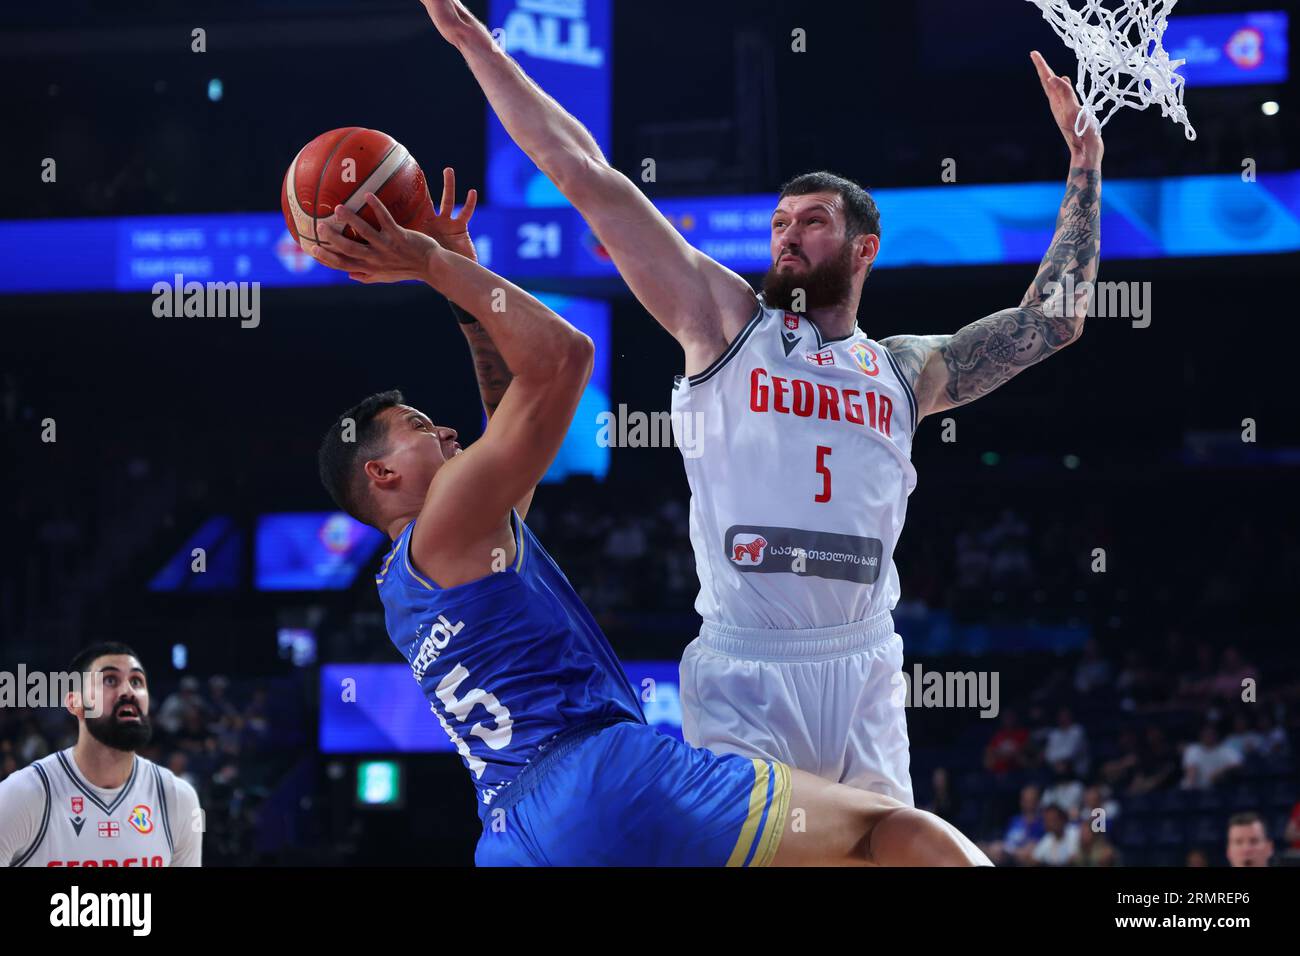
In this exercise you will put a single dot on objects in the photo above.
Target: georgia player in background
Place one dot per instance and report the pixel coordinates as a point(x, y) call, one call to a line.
point(98, 803)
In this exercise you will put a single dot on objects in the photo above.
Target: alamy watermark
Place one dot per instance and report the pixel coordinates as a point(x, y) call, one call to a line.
point(208, 300)
point(1106, 300)
point(624, 429)
point(944, 689)
point(24, 688)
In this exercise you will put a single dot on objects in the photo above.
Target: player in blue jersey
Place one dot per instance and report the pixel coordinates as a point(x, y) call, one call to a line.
point(514, 667)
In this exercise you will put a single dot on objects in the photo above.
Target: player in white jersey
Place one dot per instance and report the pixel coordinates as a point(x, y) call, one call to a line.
point(797, 501)
point(98, 803)
point(800, 492)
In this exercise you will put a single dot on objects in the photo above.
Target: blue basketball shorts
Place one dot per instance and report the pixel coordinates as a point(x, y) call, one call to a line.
point(627, 795)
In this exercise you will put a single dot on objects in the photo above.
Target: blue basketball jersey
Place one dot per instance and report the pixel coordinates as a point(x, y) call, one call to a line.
point(507, 662)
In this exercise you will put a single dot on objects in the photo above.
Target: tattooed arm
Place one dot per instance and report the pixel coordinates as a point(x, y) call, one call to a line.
point(452, 232)
point(946, 371)
point(950, 370)
point(490, 368)
point(493, 375)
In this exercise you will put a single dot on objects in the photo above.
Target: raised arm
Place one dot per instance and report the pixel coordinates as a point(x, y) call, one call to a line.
point(549, 362)
point(465, 514)
point(451, 231)
point(493, 376)
point(950, 370)
point(700, 302)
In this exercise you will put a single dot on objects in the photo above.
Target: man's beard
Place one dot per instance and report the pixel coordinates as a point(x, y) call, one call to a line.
point(824, 285)
point(111, 732)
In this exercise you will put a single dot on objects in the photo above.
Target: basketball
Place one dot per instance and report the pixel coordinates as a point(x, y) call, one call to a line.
point(339, 168)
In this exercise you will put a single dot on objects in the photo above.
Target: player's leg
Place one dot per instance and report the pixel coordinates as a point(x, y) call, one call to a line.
point(753, 708)
point(877, 753)
point(831, 824)
point(675, 804)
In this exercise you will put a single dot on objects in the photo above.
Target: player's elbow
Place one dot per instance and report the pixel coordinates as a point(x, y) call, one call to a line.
point(558, 365)
point(568, 364)
point(580, 354)
point(1058, 326)
point(581, 176)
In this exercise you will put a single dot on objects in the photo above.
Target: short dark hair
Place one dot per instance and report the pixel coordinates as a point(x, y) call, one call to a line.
point(862, 218)
point(1247, 818)
point(341, 461)
point(82, 660)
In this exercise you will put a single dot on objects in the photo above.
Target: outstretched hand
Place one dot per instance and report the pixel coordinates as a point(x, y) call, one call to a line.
point(456, 24)
point(387, 254)
point(451, 231)
point(1065, 110)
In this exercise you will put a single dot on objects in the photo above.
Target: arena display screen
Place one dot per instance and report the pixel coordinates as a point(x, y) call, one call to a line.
point(211, 559)
point(566, 45)
point(312, 552)
point(582, 453)
point(385, 712)
point(932, 226)
point(1230, 49)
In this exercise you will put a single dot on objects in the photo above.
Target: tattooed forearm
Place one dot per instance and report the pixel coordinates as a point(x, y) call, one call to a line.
point(1074, 247)
point(490, 368)
point(950, 370)
point(989, 352)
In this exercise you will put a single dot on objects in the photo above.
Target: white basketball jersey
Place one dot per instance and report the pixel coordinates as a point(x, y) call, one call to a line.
point(798, 453)
point(52, 816)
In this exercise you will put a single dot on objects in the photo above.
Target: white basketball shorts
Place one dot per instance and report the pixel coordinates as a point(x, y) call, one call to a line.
point(824, 700)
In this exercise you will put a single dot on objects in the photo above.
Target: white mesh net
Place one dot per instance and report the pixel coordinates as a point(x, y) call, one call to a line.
point(1122, 60)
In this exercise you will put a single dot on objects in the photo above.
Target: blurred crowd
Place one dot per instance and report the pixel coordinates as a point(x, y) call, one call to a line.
point(628, 557)
point(1118, 762)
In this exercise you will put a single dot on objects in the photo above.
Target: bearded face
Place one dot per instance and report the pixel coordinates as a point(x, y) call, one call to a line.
point(826, 284)
point(115, 703)
point(126, 728)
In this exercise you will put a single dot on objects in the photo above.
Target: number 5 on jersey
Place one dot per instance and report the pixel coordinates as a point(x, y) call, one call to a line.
point(460, 707)
point(822, 454)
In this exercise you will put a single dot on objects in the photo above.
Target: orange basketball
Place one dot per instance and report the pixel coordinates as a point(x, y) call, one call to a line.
point(339, 168)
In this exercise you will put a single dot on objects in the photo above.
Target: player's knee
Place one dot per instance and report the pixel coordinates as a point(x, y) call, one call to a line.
point(865, 810)
point(879, 810)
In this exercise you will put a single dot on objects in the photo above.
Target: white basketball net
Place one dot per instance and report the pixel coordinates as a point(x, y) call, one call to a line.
point(1122, 61)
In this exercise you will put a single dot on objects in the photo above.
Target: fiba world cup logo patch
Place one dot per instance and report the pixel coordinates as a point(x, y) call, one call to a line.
point(141, 819)
point(866, 359)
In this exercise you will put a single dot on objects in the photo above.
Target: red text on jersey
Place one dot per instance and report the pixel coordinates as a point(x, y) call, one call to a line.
point(797, 396)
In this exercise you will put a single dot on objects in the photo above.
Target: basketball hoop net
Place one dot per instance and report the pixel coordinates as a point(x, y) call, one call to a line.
point(1122, 61)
